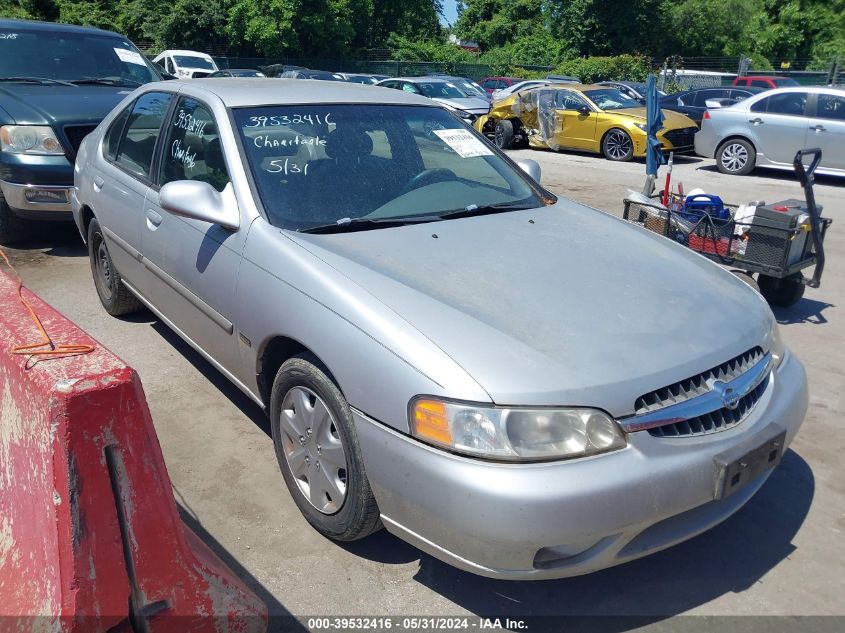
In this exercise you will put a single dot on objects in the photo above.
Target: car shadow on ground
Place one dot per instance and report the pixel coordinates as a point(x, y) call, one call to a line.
point(58, 239)
point(782, 175)
point(805, 311)
point(730, 558)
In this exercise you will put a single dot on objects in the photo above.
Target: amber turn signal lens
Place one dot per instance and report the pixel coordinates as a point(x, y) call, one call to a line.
point(431, 421)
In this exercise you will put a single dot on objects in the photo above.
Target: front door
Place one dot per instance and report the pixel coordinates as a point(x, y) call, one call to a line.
point(575, 121)
point(194, 264)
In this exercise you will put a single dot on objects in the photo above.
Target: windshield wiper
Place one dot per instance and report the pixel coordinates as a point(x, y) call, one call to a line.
point(365, 224)
point(485, 209)
point(106, 82)
point(37, 80)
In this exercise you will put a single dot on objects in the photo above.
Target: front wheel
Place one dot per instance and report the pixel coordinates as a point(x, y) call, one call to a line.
point(318, 452)
point(736, 156)
point(12, 228)
point(617, 146)
point(503, 134)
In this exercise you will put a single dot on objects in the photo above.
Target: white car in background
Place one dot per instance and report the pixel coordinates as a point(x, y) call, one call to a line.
point(186, 64)
point(766, 130)
point(520, 85)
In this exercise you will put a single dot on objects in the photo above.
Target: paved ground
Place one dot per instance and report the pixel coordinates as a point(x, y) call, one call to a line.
point(782, 554)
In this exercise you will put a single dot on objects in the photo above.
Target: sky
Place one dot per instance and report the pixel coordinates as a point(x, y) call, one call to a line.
point(450, 12)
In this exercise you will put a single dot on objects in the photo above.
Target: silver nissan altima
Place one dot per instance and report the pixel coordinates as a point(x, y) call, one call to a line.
point(517, 384)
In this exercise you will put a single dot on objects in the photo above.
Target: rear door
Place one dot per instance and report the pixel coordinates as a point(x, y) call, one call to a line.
point(121, 186)
point(778, 125)
point(194, 264)
point(826, 129)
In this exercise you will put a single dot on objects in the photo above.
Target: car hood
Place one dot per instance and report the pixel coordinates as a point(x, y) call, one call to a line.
point(671, 120)
point(50, 104)
point(561, 305)
point(475, 105)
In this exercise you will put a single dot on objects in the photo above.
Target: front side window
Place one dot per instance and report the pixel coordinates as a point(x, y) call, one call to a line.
point(192, 149)
point(321, 165)
point(72, 56)
point(410, 88)
point(789, 103)
point(135, 152)
point(565, 100)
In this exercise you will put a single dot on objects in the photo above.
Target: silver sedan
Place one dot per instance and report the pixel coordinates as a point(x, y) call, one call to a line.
point(766, 130)
point(517, 384)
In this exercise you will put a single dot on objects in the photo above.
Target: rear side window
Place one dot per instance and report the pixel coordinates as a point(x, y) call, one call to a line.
point(702, 97)
point(115, 133)
point(192, 149)
point(831, 107)
point(135, 153)
point(760, 83)
point(789, 103)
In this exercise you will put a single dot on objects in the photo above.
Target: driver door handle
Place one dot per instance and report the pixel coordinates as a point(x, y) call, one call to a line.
point(819, 128)
point(756, 121)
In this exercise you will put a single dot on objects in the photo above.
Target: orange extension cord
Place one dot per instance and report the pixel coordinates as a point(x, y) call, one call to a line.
point(32, 349)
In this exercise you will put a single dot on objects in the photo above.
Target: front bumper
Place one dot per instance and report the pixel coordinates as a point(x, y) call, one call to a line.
point(537, 521)
point(37, 187)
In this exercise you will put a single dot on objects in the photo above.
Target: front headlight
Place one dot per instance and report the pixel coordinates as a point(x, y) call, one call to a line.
point(30, 139)
point(514, 434)
point(776, 347)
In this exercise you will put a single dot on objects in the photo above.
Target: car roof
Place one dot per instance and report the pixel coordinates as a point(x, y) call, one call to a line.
point(256, 91)
point(174, 51)
point(426, 78)
point(54, 26)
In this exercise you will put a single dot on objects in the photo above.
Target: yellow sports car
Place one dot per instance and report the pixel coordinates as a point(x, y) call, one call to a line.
point(588, 118)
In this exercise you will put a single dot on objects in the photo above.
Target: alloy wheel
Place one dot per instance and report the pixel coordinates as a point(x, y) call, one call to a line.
point(734, 157)
point(313, 449)
point(618, 145)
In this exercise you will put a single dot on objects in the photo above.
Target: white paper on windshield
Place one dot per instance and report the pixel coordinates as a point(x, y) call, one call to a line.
point(464, 143)
point(130, 57)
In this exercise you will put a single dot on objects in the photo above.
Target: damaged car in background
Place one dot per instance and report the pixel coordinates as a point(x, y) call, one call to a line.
point(589, 118)
point(374, 273)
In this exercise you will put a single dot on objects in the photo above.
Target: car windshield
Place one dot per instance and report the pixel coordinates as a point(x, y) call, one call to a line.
point(72, 55)
point(192, 61)
point(440, 90)
point(352, 165)
point(611, 99)
point(469, 88)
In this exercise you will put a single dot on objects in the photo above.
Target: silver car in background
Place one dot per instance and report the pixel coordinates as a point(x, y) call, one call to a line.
point(468, 105)
point(438, 348)
point(766, 130)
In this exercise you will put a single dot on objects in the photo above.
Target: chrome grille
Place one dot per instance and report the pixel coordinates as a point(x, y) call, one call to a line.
point(719, 420)
point(76, 134)
point(697, 385)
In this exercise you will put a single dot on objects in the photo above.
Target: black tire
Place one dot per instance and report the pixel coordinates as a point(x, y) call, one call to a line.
point(617, 146)
point(782, 292)
point(358, 514)
point(115, 297)
point(503, 134)
point(12, 228)
point(736, 156)
point(747, 277)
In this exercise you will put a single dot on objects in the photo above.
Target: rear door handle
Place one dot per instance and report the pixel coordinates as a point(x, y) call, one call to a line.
point(153, 219)
point(756, 121)
point(819, 128)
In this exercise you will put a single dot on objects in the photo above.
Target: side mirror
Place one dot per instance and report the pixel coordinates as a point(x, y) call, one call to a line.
point(200, 201)
point(583, 110)
point(530, 167)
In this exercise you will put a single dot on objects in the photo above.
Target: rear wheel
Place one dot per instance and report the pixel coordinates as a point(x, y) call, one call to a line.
point(12, 228)
point(782, 292)
point(617, 146)
point(503, 134)
point(115, 297)
point(736, 156)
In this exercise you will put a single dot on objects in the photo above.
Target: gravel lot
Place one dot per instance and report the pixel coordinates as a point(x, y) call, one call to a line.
point(783, 554)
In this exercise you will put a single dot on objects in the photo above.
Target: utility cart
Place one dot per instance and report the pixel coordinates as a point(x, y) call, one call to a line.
point(777, 242)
